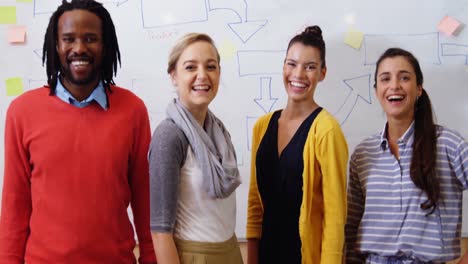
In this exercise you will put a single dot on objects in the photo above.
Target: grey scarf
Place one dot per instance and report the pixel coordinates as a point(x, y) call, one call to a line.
point(213, 150)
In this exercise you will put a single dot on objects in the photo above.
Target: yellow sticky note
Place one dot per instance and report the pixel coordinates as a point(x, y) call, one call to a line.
point(14, 86)
point(448, 25)
point(7, 14)
point(24, 1)
point(227, 50)
point(16, 34)
point(354, 38)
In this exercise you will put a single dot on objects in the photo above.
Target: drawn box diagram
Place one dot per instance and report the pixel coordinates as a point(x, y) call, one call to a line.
point(164, 13)
point(455, 50)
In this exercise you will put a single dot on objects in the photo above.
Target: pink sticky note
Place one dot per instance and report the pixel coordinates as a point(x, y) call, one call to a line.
point(16, 34)
point(448, 25)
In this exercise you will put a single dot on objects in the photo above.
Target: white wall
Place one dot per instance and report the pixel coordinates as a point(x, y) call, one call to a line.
point(252, 38)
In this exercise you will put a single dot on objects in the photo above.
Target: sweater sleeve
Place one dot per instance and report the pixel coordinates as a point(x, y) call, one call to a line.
point(332, 155)
point(139, 183)
point(355, 212)
point(254, 203)
point(16, 198)
point(167, 155)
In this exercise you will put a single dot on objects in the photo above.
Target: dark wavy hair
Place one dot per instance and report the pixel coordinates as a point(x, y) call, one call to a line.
point(311, 36)
point(423, 161)
point(111, 53)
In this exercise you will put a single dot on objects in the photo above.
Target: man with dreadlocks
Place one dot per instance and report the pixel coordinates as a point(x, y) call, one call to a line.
point(75, 153)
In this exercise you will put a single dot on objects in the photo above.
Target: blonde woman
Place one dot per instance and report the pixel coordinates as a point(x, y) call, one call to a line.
point(193, 168)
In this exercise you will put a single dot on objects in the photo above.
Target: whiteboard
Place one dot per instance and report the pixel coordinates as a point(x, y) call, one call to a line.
point(252, 37)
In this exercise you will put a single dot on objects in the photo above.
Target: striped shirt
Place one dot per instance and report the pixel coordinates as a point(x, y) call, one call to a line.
point(384, 215)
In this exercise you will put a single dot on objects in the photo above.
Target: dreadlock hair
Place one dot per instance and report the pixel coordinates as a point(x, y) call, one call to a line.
point(311, 36)
point(111, 53)
point(423, 160)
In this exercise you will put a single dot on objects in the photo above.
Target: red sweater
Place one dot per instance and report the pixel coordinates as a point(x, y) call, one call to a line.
point(70, 174)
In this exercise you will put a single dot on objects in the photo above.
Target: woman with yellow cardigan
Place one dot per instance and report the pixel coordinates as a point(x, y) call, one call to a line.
point(297, 196)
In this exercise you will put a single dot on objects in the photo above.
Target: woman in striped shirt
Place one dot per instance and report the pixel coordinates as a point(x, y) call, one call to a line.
point(406, 183)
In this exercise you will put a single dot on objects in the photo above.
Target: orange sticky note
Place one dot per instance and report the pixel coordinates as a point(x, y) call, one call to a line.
point(354, 38)
point(14, 86)
point(448, 25)
point(16, 34)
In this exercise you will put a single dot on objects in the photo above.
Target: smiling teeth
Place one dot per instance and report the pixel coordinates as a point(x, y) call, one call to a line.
point(79, 63)
point(201, 87)
point(297, 84)
point(395, 97)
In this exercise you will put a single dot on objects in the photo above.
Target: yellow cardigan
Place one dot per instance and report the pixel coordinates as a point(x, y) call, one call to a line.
point(323, 209)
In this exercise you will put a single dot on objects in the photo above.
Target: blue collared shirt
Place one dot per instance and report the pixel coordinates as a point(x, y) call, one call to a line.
point(385, 221)
point(98, 95)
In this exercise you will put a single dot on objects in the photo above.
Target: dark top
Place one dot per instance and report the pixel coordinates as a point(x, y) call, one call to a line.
point(279, 181)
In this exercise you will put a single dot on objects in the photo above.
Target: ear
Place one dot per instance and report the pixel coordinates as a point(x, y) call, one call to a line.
point(420, 89)
point(323, 73)
point(173, 78)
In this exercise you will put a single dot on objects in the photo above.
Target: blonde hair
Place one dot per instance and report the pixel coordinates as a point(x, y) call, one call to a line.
point(183, 43)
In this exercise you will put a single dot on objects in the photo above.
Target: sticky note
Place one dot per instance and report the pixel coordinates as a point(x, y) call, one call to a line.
point(14, 86)
point(448, 25)
point(227, 50)
point(24, 1)
point(7, 14)
point(16, 34)
point(354, 38)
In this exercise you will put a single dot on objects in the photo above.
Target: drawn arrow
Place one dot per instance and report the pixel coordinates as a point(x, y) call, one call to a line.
point(359, 87)
point(455, 50)
point(265, 101)
point(245, 28)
